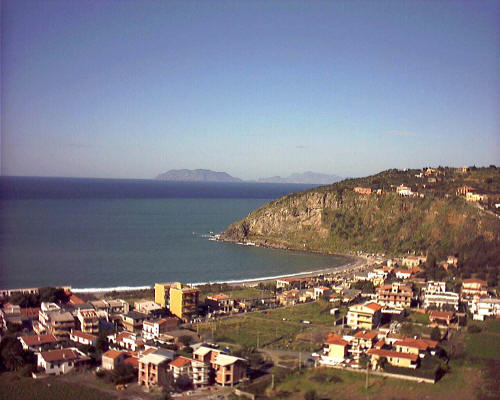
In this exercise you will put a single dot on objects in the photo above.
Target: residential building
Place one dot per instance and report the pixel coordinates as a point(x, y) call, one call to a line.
point(229, 370)
point(486, 307)
point(201, 373)
point(133, 320)
point(112, 358)
point(220, 302)
point(181, 368)
point(153, 329)
point(62, 361)
point(184, 301)
point(89, 321)
point(83, 338)
point(53, 320)
point(436, 296)
point(364, 316)
point(475, 197)
point(413, 261)
point(162, 293)
point(361, 342)
point(403, 273)
point(126, 340)
point(395, 295)
point(415, 346)
point(321, 291)
point(146, 307)
point(474, 288)
point(363, 190)
point(153, 370)
point(441, 317)
point(403, 360)
point(404, 190)
point(336, 350)
point(37, 342)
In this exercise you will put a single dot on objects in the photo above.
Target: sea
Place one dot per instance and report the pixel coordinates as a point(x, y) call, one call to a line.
point(118, 234)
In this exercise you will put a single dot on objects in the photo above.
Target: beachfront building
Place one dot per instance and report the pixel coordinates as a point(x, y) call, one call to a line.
point(364, 316)
point(162, 293)
point(55, 321)
point(184, 301)
point(220, 302)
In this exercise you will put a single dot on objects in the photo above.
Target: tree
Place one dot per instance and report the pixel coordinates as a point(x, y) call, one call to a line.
point(186, 340)
point(123, 373)
point(436, 334)
point(310, 395)
point(13, 357)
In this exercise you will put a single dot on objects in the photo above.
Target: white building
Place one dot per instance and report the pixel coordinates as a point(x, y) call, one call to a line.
point(486, 307)
point(57, 362)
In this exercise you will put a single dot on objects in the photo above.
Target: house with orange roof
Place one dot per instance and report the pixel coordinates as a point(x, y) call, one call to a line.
point(398, 359)
point(36, 342)
point(75, 300)
point(62, 361)
point(415, 346)
point(364, 316)
point(112, 358)
point(361, 342)
point(219, 303)
point(336, 350)
point(181, 369)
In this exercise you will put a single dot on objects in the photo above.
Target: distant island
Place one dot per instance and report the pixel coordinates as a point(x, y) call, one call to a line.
point(197, 175)
point(206, 175)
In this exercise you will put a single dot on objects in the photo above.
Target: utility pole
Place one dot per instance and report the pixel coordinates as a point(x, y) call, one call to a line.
point(258, 334)
point(367, 366)
point(300, 360)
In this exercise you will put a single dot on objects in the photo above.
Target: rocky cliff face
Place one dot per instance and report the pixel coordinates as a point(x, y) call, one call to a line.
point(336, 219)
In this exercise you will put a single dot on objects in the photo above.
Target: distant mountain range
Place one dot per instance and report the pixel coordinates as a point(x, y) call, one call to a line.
point(306, 177)
point(206, 175)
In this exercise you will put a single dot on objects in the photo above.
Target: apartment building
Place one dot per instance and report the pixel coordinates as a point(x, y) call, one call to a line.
point(436, 296)
point(89, 321)
point(364, 316)
point(153, 329)
point(184, 301)
point(395, 295)
point(133, 321)
point(162, 293)
point(153, 370)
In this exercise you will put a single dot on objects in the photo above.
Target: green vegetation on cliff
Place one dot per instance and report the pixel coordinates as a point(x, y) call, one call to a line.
point(336, 219)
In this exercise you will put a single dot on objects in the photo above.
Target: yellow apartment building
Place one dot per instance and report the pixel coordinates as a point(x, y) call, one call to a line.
point(183, 301)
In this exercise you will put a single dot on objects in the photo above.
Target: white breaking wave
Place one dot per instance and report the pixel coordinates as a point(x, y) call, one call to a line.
point(110, 289)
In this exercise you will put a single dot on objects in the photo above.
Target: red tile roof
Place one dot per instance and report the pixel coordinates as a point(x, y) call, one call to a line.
point(481, 282)
point(336, 339)
point(392, 353)
point(420, 344)
point(134, 361)
point(84, 335)
point(374, 306)
point(61, 355)
point(180, 362)
point(220, 296)
point(366, 335)
point(30, 312)
point(112, 354)
point(74, 299)
point(37, 340)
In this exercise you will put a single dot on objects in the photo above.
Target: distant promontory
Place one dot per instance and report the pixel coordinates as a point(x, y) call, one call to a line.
point(197, 175)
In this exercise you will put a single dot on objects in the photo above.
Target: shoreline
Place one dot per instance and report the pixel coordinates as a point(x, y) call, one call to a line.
point(356, 263)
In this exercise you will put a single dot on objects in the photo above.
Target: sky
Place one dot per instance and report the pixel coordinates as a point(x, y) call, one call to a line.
point(130, 89)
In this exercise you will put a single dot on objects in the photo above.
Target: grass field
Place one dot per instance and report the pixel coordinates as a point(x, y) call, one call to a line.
point(483, 345)
point(16, 388)
point(240, 294)
point(275, 328)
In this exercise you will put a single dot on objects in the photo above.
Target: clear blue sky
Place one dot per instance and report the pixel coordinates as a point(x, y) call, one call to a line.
point(129, 89)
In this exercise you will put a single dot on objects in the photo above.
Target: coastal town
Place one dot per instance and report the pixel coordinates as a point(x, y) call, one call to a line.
point(379, 317)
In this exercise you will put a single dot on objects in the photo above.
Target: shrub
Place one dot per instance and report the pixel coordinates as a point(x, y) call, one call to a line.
point(473, 329)
point(310, 395)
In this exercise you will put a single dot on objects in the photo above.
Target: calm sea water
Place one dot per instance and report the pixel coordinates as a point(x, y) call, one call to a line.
point(110, 233)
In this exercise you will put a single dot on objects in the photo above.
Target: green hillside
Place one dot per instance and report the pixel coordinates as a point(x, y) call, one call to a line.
point(434, 219)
